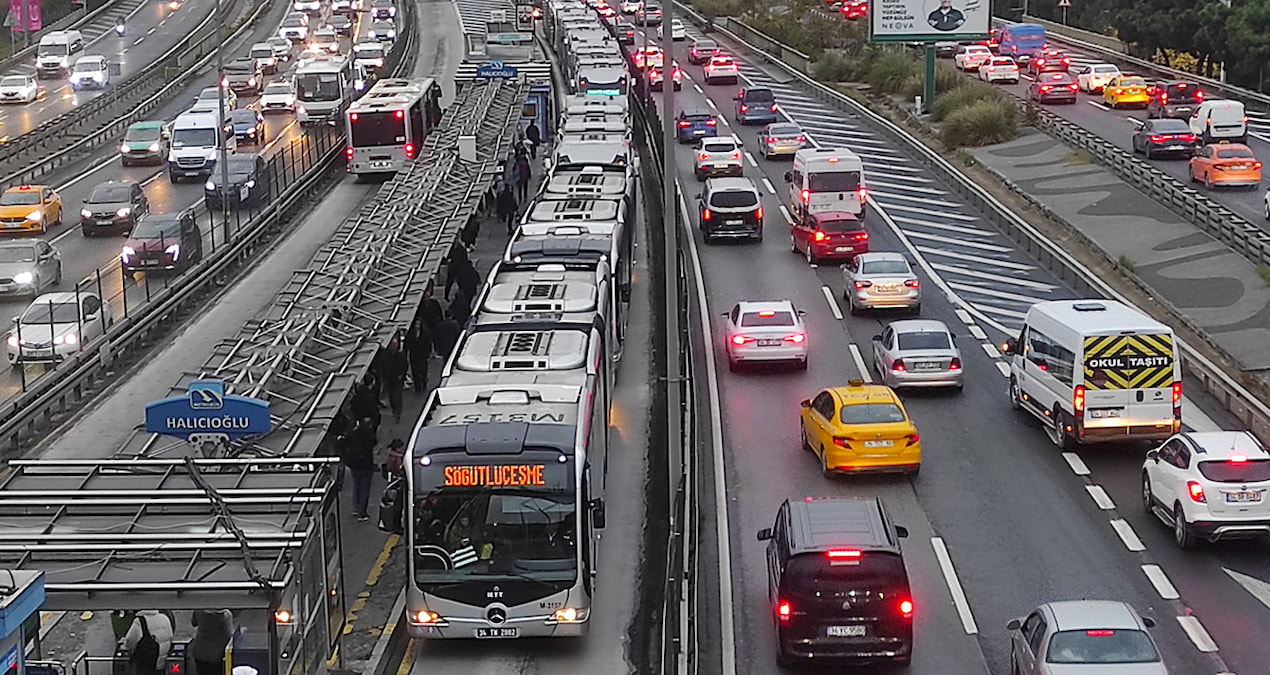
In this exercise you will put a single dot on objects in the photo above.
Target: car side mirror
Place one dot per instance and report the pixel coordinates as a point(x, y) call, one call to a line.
point(16, 319)
point(805, 403)
point(765, 534)
point(1009, 346)
point(877, 338)
point(789, 176)
point(901, 532)
point(1148, 622)
point(1153, 455)
point(1014, 624)
point(598, 516)
point(802, 312)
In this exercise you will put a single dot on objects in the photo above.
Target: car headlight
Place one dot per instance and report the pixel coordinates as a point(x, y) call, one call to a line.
point(154, 147)
point(209, 185)
point(251, 82)
point(68, 339)
point(300, 109)
point(127, 252)
point(37, 216)
point(124, 149)
point(251, 183)
point(85, 213)
point(569, 615)
point(123, 212)
point(24, 278)
point(174, 250)
point(13, 340)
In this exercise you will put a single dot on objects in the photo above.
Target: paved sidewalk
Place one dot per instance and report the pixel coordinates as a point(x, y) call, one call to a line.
point(1219, 290)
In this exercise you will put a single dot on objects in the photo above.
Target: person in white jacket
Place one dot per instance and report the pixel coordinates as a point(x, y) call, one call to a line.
point(160, 627)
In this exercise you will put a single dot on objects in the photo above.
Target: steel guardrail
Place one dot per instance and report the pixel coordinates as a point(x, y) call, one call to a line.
point(1242, 403)
point(68, 22)
point(68, 384)
point(83, 127)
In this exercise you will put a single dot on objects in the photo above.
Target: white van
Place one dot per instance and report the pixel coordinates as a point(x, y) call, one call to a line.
point(826, 179)
point(197, 137)
point(1096, 371)
point(1220, 120)
point(57, 53)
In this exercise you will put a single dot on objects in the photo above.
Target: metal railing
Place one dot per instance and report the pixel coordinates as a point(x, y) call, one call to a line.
point(100, 119)
point(1242, 403)
point(71, 21)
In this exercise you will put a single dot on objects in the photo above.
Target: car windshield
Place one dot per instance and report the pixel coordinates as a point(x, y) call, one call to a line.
point(833, 181)
point(265, 52)
point(26, 198)
point(908, 341)
point(326, 37)
point(243, 116)
point(13, 254)
point(50, 312)
point(292, 23)
point(88, 66)
point(1101, 646)
point(381, 27)
point(733, 200)
point(718, 146)
point(278, 88)
point(241, 164)
point(766, 318)
point(13, 81)
point(110, 194)
point(318, 87)
point(1235, 153)
point(196, 138)
point(142, 134)
point(1248, 471)
point(884, 267)
point(157, 229)
point(871, 413)
point(784, 130)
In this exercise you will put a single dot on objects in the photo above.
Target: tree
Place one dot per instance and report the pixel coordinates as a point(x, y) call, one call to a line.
point(1248, 43)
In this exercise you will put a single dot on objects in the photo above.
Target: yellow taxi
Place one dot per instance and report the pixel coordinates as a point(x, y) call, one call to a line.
point(30, 208)
point(860, 428)
point(1126, 90)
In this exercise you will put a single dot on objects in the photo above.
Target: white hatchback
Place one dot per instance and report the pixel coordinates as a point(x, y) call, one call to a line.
point(765, 331)
point(1209, 486)
point(970, 57)
point(1000, 69)
point(678, 32)
point(1092, 78)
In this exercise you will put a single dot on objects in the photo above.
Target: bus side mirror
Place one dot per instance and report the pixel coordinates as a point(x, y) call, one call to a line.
point(765, 534)
point(597, 514)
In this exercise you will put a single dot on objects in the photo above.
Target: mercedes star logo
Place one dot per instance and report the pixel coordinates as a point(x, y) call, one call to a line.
point(496, 616)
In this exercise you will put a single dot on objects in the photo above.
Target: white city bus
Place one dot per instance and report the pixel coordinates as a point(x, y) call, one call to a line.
point(387, 126)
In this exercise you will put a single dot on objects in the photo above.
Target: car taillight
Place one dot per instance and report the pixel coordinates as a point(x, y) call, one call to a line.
point(1190, 137)
point(744, 108)
point(683, 124)
point(1157, 139)
point(819, 236)
point(1072, 86)
point(1164, 98)
point(1177, 393)
point(862, 284)
point(842, 441)
point(772, 139)
point(863, 194)
point(1199, 96)
point(796, 338)
point(410, 151)
point(348, 152)
point(784, 610)
point(759, 213)
point(741, 339)
point(806, 194)
point(701, 156)
point(712, 123)
point(1078, 399)
point(906, 609)
point(955, 364)
point(802, 139)
point(861, 236)
point(736, 154)
point(706, 215)
point(912, 439)
point(1196, 491)
point(913, 283)
point(1045, 87)
point(773, 107)
point(898, 366)
point(1256, 165)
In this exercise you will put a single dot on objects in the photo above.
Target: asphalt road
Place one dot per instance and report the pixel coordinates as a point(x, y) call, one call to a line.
point(82, 257)
point(1019, 525)
point(153, 30)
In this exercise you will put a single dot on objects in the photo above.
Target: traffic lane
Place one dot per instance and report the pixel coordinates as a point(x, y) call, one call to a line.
point(760, 411)
point(165, 28)
point(1238, 621)
point(1064, 546)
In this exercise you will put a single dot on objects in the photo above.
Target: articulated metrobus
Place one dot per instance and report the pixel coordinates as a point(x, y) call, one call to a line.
point(387, 126)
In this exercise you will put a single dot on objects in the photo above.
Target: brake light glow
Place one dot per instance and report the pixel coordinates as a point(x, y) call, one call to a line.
point(400, 114)
point(1238, 459)
point(410, 151)
point(1072, 86)
point(352, 116)
point(711, 123)
point(819, 236)
point(1157, 139)
point(802, 139)
point(701, 156)
point(842, 441)
point(1196, 491)
point(836, 554)
point(955, 364)
point(706, 215)
point(736, 154)
point(906, 608)
point(796, 338)
point(773, 107)
point(767, 313)
point(759, 213)
point(1177, 392)
point(1100, 633)
point(1078, 399)
point(348, 152)
point(1199, 96)
point(1256, 165)
point(913, 283)
point(1045, 87)
point(898, 366)
point(806, 196)
point(683, 124)
point(912, 439)
point(784, 610)
point(745, 108)
point(862, 284)
point(739, 340)
point(863, 194)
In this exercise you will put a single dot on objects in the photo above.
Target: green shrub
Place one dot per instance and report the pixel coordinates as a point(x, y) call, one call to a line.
point(961, 97)
point(891, 73)
point(948, 78)
point(834, 66)
point(913, 86)
point(982, 122)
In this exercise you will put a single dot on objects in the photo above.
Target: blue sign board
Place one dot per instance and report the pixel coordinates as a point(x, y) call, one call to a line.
point(495, 70)
point(207, 409)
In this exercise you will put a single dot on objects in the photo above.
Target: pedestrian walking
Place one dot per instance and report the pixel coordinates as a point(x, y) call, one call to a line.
point(534, 134)
point(446, 336)
point(507, 206)
point(461, 307)
point(454, 261)
point(471, 232)
point(365, 401)
point(523, 174)
point(120, 621)
point(418, 350)
point(148, 641)
point(469, 279)
point(213, 629)
point(359, 457)
point(430, 311)
point(393, 366)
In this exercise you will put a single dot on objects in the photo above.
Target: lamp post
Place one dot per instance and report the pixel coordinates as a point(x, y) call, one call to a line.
point(223, 153)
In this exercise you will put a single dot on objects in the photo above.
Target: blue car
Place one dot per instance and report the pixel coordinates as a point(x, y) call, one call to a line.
point(694, 124)
point(756, 104)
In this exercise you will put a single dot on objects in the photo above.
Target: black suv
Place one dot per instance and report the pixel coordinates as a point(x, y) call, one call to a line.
point(1174, 99)
point(732, 208)
point(837, 583)
point(248, 182)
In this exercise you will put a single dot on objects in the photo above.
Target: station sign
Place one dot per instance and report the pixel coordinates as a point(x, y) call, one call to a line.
point(495, 70)
point(207, 409)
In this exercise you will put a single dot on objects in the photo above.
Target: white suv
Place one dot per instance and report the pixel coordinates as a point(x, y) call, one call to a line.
point(1209, 486)
point(720, 156)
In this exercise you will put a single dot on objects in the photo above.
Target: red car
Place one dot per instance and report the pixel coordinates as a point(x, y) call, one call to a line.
point(827, 235)
point(855, 9)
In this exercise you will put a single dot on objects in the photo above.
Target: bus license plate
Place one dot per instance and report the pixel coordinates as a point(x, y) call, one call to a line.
point(497, 633)
point(1245, 497)
point(846, 631)
point(384, 164)
point(1104, 414)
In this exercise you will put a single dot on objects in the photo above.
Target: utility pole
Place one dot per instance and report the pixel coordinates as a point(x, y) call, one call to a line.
point(669, 141)
point(223, 158)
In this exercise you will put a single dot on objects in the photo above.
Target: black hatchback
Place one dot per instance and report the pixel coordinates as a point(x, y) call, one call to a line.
point(113, 208)
point(248, 182)
point(1174, 98)
point(837, 583)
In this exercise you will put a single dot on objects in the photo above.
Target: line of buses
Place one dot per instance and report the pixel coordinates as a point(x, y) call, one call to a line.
point(503, 495)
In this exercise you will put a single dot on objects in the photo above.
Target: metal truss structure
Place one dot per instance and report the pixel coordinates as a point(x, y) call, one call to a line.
point(304, 353)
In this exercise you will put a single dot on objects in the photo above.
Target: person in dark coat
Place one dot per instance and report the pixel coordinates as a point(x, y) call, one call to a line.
point(455, 261)
point(393, 366)
point(359, 457)
point(365, 402)
point(213, 629)
point(430, 309)
point(523, 174)
point(535, 138)
point(419, 349)
point(446, 336)
point(469, 279)
point(461, 307)
point(506, 207)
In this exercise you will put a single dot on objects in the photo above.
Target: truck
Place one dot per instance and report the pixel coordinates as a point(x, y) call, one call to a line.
point(57, 53)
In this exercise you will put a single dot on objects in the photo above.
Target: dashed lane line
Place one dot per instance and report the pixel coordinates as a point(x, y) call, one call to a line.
point(833, 302)
point(954, 586)
point(1100, 497)
point(991, 350)
point(965, 317)
point(1127, 535)
point(785, 212)
point(859, 363)
point(1161, 582)
point(1198, 635)
point(771, 189)
point(977, 332)
point(1076, 463)
point(1003, 368)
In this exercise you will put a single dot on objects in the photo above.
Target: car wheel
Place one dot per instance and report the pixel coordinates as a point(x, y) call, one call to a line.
point(1147, 151)
point(824, 464)
point(1016, 394)
point(851, 307)
point(802, 437)
point(811, 256)
point(58, 219)
point(1148, 501)
point(733, 365)
point(1208, 181)
point(1267, 204)
point(1058, 430)
point(793, 243)
point(1181, 529)
point(57, 278)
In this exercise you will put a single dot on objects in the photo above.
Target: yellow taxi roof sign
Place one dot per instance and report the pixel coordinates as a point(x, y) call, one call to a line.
point(855, 383)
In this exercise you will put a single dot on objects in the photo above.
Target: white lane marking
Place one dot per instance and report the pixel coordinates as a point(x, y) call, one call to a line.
point(977, 332)
point(1076, 463)
point(1003, 367)
point(833, 302)
point(1195, 631)
point(964, 316)
point(1127, 535)
point(990, 349)
point(785, 212)
point(1098, 104)
point(698, 88)
point(92, 170)
point(720, 478)
point(991, 292)
point(750, 158)
point(945, 240)
point(972, 231)
point(1258, 588)
point(138, 40)
point(856, 356)
point(712, 105)
point(1100, 497)
point(987, 276)
point(1161, 582)
point(954, 586)
point(987, 261)
point(768, 184)
point(1135, 121)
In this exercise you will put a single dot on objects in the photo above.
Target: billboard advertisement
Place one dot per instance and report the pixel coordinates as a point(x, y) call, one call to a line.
point(929, 20)
point(24, 11)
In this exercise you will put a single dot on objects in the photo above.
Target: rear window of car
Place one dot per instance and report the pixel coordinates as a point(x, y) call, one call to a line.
point(1182, 92)
point(763, 319)
point(1132, 82)
point(1104, 69)
point(1171, 126)
point(733, 199)
point(1101, 646)
point(923, 341)
point(718, 146)
point(702, 45)
point(699, 117)
point(817, 574)
point(1235, 153)
point(1002, 62)
point(884, 267)
point(784, 130)
point(838, 225)
point(758, 95)
point(871, 413)
point(833, 181)
point(1058, 78)
point(1250, 471)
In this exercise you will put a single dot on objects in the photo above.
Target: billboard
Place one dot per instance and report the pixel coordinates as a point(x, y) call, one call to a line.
point(929, 20)
point(24, 11)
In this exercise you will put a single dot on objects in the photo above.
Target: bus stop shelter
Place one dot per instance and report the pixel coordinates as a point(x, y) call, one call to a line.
point(256, 536)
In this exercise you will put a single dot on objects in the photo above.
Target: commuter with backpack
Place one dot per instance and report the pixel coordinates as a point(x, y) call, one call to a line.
point(148, 642)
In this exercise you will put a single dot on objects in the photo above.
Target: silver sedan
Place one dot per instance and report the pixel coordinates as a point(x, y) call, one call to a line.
point(918, 353)
point(1084, 636)
point(781, 138)
point(29, 266)
point(879, 280)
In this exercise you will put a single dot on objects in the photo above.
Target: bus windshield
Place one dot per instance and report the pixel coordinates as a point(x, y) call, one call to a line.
point(318, 87)
point(378, 129)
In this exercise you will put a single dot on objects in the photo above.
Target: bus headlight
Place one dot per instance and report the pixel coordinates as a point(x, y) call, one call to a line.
point(424, 617)
point(569, 615)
